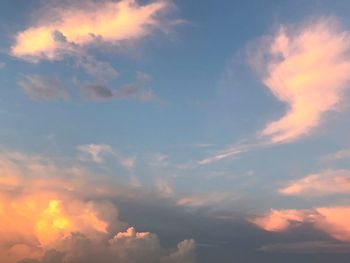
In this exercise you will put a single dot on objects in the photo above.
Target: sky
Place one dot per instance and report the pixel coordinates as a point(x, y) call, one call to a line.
point(174, 131)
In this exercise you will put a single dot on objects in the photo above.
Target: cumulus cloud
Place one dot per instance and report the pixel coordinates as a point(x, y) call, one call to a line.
point(54, 214)
point(43, 88)
point(308, 69)
point(319, 184)
point(85, 24)
point(332, 220)
point(184, 253)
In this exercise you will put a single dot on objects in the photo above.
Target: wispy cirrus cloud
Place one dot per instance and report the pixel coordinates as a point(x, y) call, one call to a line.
point(85, 24)
point(231, 152)
point(309, 77)
point(43, 88)
point(324, 183)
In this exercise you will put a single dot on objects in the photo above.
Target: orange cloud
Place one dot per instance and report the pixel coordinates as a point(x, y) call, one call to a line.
point(45, 208)
point(324, 183)
point(279, 220)
point(107, 21)
point(332, 220)
point(308, 69)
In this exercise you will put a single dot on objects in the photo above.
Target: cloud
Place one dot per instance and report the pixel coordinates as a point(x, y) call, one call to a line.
point(324, 183)
point(43, 88)
point(183, 254)
point(94, 152)
point(97, 153)
point(279, 220)
point(135, 90)
point(332, 220)
point(51, 213)
point(339, 155)
point(221, 155)
point(101, 71)
point(208, 199)
point(127, 247)
point(230, 152)
point(307, 247)
point(2, 65)
point(85, 24)
point(308, 69)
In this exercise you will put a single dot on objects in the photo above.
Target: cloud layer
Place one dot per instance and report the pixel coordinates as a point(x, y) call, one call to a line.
point(308, 69)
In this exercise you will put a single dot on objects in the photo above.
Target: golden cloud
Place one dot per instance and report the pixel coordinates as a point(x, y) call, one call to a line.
point(64, 212)
point(110, 22)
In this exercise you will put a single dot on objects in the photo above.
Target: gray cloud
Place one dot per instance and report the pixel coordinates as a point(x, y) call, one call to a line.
point(43, 88)
point(307, 247)
point(101, 71)
point(137, 91)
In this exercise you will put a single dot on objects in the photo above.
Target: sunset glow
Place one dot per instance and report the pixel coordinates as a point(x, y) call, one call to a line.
point(168, 131)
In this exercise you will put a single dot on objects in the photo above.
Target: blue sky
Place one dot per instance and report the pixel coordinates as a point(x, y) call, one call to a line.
point(220, 110)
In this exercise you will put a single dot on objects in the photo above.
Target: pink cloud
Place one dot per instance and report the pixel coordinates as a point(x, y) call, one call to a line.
point(332, 220)
point(308, 69)
point(279, 220)
point(319, 184)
